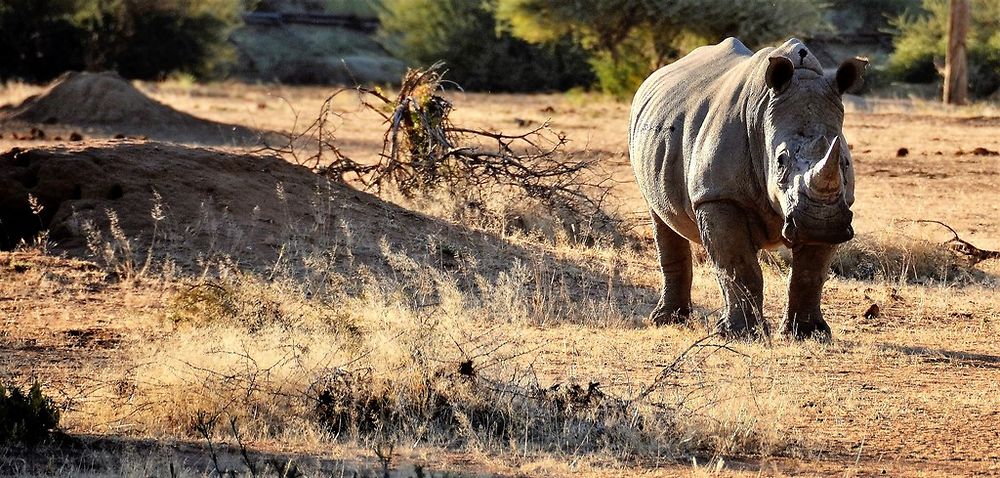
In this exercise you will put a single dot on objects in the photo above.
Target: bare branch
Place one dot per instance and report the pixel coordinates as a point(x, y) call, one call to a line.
point(961, 246)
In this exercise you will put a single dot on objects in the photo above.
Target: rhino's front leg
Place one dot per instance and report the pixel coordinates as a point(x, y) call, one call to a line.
point(810, 266)
point(726, 233)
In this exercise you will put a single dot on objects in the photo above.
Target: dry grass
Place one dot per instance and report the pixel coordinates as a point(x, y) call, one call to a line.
point(414, 358)
point(454, 367)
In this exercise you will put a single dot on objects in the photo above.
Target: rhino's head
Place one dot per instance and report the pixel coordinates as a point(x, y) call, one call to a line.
point(810, 175)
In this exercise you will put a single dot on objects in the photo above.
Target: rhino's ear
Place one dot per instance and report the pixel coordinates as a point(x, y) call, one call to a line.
point(779, 73)
point(850, 75)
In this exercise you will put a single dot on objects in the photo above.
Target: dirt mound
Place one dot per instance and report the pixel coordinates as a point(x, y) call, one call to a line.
point(193, 204)
point(108, 103)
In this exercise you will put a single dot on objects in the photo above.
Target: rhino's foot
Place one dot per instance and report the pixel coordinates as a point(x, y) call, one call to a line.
point(815, 329)
point(742, 330)
point(668, 315)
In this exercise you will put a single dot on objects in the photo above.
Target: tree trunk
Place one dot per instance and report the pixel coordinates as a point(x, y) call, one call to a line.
point(956, 74)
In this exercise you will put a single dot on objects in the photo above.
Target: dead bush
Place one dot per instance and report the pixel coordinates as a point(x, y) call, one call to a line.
point(424, 152)
point(894, 255)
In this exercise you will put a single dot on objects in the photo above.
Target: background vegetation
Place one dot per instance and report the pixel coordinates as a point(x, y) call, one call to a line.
point(491, 45)
point(479, 54)
point(146, 39)
point(922, 39)
point(628, 39)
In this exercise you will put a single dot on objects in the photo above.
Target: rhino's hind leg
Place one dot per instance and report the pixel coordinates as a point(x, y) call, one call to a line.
point(810, 266)
point(675, 263)
point(726, 233)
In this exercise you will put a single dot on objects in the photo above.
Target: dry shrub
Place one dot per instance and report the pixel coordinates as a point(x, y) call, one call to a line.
point(424, 156)
point(892, 255)
point(409, 358)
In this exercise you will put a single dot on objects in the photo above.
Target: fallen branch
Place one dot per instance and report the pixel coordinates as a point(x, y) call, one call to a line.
point(961, 246)
point(423, 150)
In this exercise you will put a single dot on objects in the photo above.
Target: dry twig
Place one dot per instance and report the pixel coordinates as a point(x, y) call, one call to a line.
point(961, 246)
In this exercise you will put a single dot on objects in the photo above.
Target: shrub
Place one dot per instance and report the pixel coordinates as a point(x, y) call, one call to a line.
point(150, 39)
point(893, 256)
point(147, 39)
point(478, 54)
point(922, 41)
point(26, 419)
point(630, 36)
point(40, 39)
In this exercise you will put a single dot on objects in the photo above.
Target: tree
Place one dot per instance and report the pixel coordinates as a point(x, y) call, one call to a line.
point(478, 55)
point(145, 39)
point(39, 39)
point(956, 75)
point(149, 39)
point(658, 31)
point(922, 42)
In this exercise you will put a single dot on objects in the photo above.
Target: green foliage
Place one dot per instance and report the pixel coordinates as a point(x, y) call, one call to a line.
point(626, 33)
point(923, 40)
point(478, 54)
point(869, 16)
point(39, 39)
point(146, 39)
point(619, 75)
point(26, 419)
point(152, 38)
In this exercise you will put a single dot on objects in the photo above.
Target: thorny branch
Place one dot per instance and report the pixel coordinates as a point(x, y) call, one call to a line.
point(961, 246)
point(423, 150)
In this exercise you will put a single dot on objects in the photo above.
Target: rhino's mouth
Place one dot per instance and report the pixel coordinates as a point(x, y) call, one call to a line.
point(798, 232)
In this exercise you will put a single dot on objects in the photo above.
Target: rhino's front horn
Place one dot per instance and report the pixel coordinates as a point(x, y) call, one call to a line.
point(825, 179)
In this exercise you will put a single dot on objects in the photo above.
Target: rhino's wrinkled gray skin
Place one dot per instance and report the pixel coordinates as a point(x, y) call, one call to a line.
point(741, 151)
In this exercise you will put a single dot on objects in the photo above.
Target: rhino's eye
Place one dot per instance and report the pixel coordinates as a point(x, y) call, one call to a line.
point(784, 171)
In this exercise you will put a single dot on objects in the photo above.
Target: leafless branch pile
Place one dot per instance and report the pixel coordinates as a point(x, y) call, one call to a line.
point(423, 151)
point(311, 145)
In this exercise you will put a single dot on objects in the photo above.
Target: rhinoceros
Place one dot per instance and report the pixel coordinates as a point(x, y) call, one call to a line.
point(742, 151)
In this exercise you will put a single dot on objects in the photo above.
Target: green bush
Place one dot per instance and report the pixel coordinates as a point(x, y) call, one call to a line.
point(630, 39)
point(26, 419)
point(922, 41)
point(146, 39)
point(150, 39)
point(39, 39)
point(620, 75)
point(479, 55)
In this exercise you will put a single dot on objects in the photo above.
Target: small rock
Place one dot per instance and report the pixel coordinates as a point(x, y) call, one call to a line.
point(466, 368)
point(521, 122)
point(981, 151)
point(74, 136)
point(902, 152)
point(548, 109)
point(872, 312)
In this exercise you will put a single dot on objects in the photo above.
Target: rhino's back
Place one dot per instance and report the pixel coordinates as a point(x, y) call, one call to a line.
point(669, 111)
